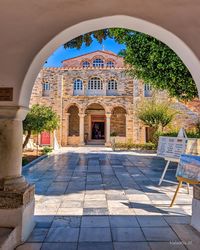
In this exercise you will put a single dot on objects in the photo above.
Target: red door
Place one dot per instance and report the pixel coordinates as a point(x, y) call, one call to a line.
point(45, 138)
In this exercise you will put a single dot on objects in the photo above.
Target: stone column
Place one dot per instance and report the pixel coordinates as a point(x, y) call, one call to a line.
point(16, 195)
point(108, 142)
point(127, 119)
point(90, 127)
point(81, 129)
point(195, 220)
point(129, 130)
point(67, 127)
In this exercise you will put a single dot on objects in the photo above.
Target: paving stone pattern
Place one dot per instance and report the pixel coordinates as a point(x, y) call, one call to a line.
point(94, 199)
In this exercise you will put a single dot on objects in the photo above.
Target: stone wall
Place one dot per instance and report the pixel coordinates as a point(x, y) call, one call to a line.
point(129, 94)
point(118, 121)
point(73, 121)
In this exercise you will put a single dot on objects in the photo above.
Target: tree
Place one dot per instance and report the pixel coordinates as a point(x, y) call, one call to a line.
point(148, 59)
point(87, 39)
point(39, 118)
point(155, 114)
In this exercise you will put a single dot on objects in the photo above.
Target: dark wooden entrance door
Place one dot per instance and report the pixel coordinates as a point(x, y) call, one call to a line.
point(98, 127)
point(98, 132)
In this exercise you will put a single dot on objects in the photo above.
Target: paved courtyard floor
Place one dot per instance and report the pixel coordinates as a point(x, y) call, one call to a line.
point(91, 198)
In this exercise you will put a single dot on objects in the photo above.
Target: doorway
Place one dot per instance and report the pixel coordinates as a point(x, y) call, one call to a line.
point(98, 130)
point(98, 127)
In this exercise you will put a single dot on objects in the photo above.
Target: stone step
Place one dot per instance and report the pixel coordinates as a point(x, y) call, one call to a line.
point(7, 238)
point(96, 142)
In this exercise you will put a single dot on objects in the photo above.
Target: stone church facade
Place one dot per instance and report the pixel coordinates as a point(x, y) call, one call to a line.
point(96, 100)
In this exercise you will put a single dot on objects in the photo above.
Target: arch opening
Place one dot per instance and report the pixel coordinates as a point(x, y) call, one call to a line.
point(95, 123)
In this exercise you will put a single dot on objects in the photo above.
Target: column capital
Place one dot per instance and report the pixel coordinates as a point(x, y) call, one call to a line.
point(81, 115)
point(108, 115)
point(13, 112)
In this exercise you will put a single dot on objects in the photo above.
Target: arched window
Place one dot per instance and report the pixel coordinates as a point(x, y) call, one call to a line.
point(98, 62)
point(95, 83)
point(110, 64)
point(86, 64)
point(78, 84)
point(112, 85)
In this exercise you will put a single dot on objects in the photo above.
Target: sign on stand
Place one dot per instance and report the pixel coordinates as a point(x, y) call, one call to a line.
point(171, 148)
point(189, 167)
point(188, 171)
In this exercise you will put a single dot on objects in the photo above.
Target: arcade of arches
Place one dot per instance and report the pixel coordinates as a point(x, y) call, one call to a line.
point(94, 126)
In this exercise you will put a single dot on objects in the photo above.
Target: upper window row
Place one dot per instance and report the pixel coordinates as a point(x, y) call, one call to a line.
point(95, 83)
point(98, 63)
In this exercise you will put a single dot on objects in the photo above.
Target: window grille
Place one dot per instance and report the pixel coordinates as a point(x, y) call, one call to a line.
point(86, 64)
point(98, 62)
point(95, 83)
point(112, 85)
point(78, 84)
point(110, 64)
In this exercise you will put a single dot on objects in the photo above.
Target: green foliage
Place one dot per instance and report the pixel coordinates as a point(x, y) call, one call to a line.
point(190, 134)
point(113, 134)
point(40, 118)
point(24, 161)
point(149, 59)
point(155, 63)
point(197, 125)
point(174, 133)
point(135, 146)
point(47, 150)
point(87, 39)
point(155, 114)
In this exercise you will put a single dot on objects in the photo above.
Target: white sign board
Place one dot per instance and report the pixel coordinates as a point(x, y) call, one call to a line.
point(171, 147)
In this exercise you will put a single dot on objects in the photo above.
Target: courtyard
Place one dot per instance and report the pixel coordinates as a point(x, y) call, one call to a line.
point(93, 198)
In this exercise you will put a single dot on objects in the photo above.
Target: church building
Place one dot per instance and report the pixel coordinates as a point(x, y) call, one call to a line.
point(96, 100)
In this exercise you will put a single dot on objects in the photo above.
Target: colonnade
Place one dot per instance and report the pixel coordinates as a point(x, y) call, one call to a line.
point(82, 125)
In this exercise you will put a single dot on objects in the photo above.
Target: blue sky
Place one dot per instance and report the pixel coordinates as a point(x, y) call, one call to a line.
point(61, 54)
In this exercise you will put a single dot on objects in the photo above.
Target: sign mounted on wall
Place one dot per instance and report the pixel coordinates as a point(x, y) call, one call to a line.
point(6, 94)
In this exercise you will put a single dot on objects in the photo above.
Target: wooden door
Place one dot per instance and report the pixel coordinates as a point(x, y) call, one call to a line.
point(45, 138)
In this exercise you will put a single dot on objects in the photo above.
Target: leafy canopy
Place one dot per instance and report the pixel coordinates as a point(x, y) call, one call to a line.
point(155, 114)
point(40, 118)
point(148, 59)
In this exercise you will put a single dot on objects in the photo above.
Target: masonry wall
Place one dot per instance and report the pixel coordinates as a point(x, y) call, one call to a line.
point(130, 93)
point(118, 121)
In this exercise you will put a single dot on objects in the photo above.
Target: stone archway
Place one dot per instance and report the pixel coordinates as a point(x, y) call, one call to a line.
point(12, 114)
point(95, 124)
